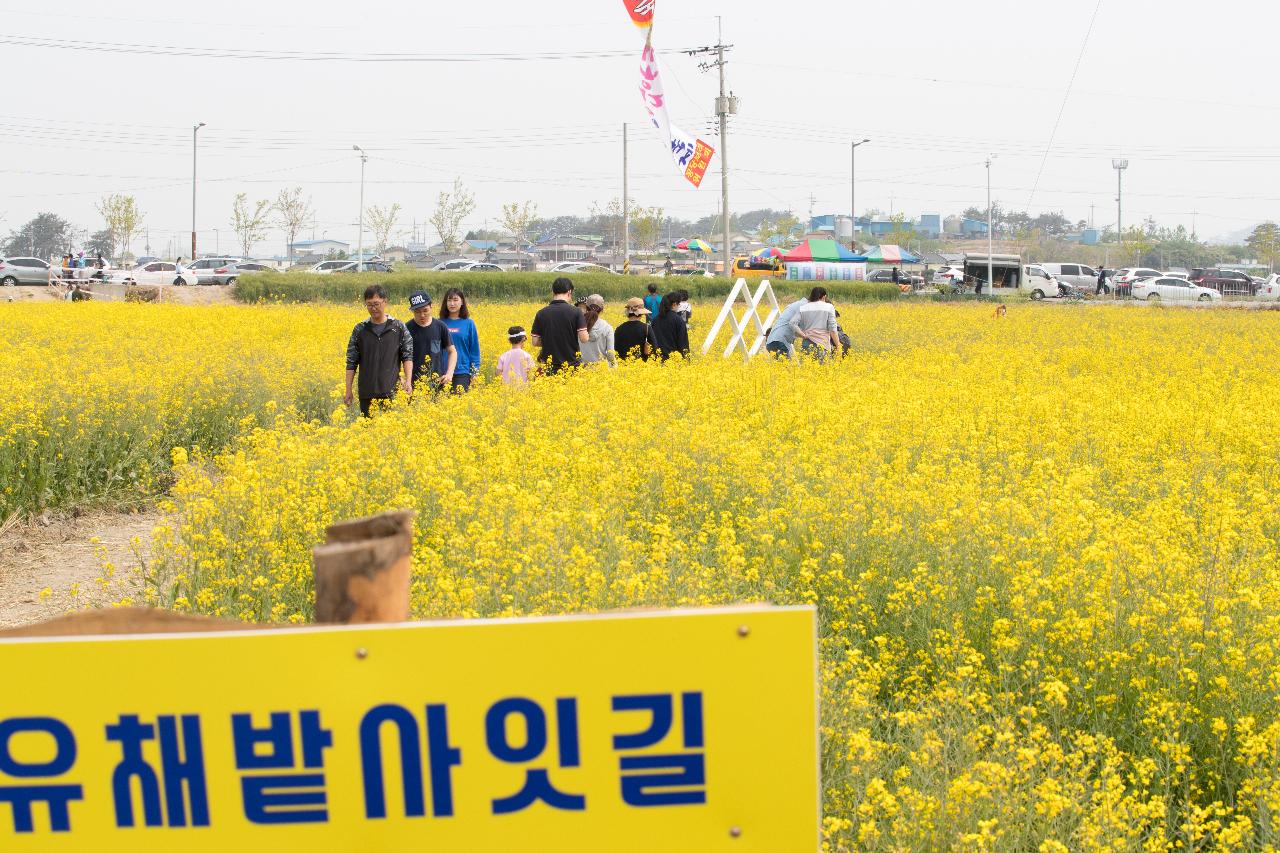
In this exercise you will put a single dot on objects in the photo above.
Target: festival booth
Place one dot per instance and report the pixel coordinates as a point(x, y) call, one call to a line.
point(824, 260)
point(890, 255)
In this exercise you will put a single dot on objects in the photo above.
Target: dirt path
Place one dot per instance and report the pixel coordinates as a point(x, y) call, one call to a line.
point(57, 553)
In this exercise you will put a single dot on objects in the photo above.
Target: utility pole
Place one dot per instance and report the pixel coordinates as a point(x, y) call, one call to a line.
point(364, 158)
point(853, 194)
point(194, 131)
point(726, 105)
point(626, 209)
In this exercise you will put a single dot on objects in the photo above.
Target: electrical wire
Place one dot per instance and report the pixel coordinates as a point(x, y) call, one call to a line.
point(196, 52)
point(1066, 96)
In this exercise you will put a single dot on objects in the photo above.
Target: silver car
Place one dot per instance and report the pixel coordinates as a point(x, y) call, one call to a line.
point(230, 273)
point(206, 269)
point(25, 271)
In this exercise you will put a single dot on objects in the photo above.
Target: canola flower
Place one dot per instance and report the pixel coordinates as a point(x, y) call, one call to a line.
point(1045, 550)
point(97, 395)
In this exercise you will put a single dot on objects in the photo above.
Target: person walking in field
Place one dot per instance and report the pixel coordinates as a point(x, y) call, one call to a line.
point(671, 331)
point(634, 338)
point(599, 345)
point(434, 356)
point(560, 329)
point(816, 325)
point(515, 365)
point(381, 351)
point(654, 300)
point(456, 317)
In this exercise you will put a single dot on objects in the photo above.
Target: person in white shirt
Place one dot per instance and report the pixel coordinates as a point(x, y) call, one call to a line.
point(600, 345)
point(816, 325)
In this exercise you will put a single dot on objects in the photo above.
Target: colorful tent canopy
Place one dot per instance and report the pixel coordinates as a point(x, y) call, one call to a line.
point(828, 251)
point(693, 244)
point(890, 254)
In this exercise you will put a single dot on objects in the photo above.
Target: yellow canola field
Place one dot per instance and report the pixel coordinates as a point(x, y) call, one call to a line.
point(1044, 548)
point(98, 394)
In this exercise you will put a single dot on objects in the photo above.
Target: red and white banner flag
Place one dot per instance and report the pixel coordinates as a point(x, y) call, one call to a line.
point(691, 154)
point(641, 12)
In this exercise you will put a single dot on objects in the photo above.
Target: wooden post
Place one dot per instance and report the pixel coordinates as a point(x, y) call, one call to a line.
point(362, 574)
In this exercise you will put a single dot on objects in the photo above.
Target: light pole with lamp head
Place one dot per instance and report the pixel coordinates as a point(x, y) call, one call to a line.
point(194, 131)
point(364, 158)
point(853, 193)
point(1119, 166)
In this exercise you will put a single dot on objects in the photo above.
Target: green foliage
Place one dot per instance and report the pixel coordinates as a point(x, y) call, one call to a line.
point(44, 236)
point(346, 287)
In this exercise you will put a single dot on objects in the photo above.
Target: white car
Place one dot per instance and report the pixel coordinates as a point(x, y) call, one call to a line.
point(452, 266)
point(156, 272)
point(1269, 290)
point(480, 266)
point(581, 266)
point(1173, 289)
point(330, 267)
point(948, 275)
point(1129, 275)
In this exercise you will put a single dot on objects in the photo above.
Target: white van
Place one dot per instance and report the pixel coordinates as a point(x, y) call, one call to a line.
point(1078, 274)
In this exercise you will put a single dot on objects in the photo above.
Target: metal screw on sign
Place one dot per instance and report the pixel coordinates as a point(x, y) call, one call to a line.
point(362, 653)
point(743, 630)
point(735, 832)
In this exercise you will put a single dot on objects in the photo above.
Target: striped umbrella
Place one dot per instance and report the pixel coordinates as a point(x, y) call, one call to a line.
point(697, 245)
point(767, 254)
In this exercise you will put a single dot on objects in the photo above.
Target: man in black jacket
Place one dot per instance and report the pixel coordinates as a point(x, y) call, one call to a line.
point(382, 349)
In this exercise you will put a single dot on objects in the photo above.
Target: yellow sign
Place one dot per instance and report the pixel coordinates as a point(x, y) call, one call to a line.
point(672, 731)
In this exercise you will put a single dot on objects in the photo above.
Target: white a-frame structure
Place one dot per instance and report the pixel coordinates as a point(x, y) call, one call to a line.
point(750, 318)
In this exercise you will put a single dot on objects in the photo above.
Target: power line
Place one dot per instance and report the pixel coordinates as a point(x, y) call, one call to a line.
point(1053, 134)
point(195, 52)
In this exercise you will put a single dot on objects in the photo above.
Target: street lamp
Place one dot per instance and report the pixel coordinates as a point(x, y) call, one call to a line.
point(991, 279)
point(364, 158)
point(853, 193)
point(194, 131)
point(1119, 166)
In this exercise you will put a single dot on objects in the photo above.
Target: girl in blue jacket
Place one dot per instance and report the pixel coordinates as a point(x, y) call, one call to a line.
point(457, 319)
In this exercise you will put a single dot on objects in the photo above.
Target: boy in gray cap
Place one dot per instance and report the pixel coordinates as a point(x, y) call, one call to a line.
point(434, 355)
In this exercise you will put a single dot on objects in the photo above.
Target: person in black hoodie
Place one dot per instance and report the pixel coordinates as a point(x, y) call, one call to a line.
point(671, 331)
point(382, 350)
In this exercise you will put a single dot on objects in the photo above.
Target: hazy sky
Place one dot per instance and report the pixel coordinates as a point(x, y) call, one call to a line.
point(1180, 89)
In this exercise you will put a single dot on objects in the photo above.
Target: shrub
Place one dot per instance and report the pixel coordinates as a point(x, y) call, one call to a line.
point(309, 287)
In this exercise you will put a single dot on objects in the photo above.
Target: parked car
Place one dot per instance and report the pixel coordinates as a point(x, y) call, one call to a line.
point(205, 268)
point(904, 277)
point(366, 266)
point(451, 266)
point(230, 273)
point(156, 272)
point(329, 267)
point(1129, 275)
point(1269, 291)
point(1076, 275)
point(1226, 282)
point(580, 266)
point(1173, 289)
point(948, 275)
point(481, 266)
point(24, 271)
point(689, 271)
